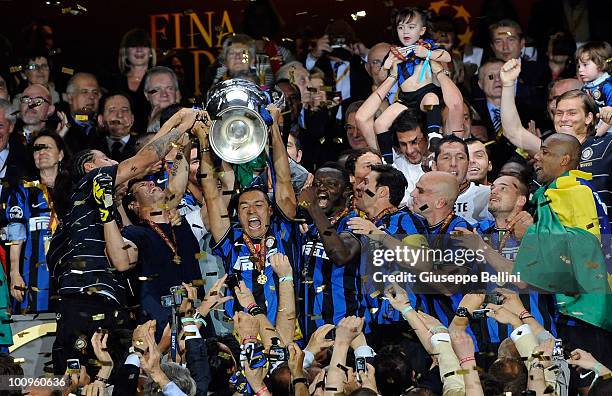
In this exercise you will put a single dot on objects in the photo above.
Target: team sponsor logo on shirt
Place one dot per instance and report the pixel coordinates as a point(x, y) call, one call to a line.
point(319, 250)
point(39, 223)
point(16, 212)
point(244, 263)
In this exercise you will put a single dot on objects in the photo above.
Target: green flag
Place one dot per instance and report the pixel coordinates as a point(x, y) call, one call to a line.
point(561, 252)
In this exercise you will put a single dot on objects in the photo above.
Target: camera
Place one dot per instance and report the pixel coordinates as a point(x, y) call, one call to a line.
point(175, 298)
point(338, 42)
point(278, 353)
point(480, 313)
point(493, 298)
point(73, 366)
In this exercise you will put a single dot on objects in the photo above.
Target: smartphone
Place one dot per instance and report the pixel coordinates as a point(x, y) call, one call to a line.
point(360, 364)
point(558, 348)
point(232, 281)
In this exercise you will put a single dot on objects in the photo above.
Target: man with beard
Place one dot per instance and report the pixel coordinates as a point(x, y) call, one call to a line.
point(83, 94)
point(452, 156)
point(116, 120)
point(330, 253)
point(264, 228)
point(383, 191)
point(503, 234)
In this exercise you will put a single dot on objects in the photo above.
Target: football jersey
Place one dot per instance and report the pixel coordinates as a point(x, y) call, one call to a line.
point(328, 291)
point(29, 215)
point(282, 237)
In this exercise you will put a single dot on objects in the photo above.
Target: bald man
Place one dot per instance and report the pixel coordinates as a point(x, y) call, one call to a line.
point(83, 97)
point(35, 108)
point(434, 197)
point(558, 154)
point(565, 200)
point(376, 57)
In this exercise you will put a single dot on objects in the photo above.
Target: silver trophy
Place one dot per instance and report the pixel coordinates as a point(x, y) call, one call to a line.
point(238, 133)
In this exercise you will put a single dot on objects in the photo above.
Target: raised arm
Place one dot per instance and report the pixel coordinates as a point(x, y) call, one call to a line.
point(452, 98)
point(283, 189)
point(218, 218)
point(285, 317)
point(102, 190)
point(366, 112)
point(340, 248)
point(511, 122)
point(159, 146)
point(179, 175)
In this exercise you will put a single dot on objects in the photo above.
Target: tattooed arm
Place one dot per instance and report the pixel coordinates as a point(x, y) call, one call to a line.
point(179, 176)
point(173, 131)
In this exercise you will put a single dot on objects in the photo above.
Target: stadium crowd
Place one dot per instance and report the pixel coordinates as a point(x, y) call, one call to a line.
point(173, 272)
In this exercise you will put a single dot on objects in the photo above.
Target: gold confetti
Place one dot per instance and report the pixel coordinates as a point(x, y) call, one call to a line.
point(81, 117)
point(98, 317)
point(67, 70)
point(375, 294)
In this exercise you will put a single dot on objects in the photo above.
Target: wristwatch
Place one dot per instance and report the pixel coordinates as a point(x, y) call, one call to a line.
point(463, 312)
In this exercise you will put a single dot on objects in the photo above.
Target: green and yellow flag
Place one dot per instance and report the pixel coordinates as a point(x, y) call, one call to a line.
point(562, 251)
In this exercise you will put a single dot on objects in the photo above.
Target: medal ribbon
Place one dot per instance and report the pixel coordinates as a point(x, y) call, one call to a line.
point(162, 235)
point(389, 210)
point(259, 254)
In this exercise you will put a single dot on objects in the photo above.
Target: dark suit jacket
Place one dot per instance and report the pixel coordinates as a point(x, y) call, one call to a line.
point(76, 138)
point(361, 83)
point(99, 142)
point(502, 150)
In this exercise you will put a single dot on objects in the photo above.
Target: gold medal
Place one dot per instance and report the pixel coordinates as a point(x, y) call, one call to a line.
point(262, 279)
point(176, 259)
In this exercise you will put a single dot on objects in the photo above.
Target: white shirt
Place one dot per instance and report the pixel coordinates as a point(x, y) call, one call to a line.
point(473, 204)
point(412, 172)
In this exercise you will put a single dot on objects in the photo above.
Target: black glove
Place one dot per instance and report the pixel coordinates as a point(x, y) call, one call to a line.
point(103, 195)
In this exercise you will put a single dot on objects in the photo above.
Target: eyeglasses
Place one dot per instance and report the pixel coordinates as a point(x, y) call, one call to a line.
point(34, 102)
point(36, 66)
